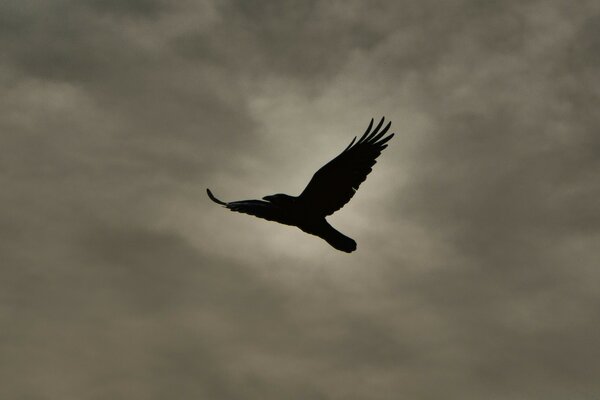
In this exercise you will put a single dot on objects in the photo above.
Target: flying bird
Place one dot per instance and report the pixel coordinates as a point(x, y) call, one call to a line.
point(330, 188)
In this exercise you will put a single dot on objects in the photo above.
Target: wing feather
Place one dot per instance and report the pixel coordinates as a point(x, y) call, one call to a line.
point(332, 186)
point(258, 208)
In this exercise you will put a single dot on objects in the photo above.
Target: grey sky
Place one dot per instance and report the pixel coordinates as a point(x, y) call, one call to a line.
point(476, 274)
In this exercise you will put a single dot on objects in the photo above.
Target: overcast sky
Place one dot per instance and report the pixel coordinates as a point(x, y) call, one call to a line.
point(477, 269)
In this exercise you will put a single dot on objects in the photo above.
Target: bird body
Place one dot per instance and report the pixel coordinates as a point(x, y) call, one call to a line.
point(330, 189)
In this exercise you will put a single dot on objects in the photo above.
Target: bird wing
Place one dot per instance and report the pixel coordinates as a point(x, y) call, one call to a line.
point(332, 186)
point(258, 208)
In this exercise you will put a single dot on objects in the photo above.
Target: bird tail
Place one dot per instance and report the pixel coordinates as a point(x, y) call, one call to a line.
point(337, 239)
point(213, 198)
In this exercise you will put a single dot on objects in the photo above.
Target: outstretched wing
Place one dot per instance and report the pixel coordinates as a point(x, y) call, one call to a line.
point(258, 208)
point(334, 184)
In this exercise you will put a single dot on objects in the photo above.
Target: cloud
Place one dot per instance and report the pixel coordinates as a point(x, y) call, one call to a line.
point(477, 230)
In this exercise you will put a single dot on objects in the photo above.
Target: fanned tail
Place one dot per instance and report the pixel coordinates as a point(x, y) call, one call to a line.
point(328, 233)
point(339, 241)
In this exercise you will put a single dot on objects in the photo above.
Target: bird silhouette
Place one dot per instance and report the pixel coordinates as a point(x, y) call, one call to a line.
point(330, 188)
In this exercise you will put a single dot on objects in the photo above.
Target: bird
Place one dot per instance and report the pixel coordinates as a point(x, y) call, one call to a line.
point(330, 188)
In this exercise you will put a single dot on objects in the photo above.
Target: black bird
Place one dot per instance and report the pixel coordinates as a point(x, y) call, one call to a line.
point(330, 189)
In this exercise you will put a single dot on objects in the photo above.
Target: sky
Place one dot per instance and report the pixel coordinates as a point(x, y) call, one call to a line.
point(477, 268)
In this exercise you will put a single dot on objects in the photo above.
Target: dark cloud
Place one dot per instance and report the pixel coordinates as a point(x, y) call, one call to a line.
point(135, 8)
point(477, 231)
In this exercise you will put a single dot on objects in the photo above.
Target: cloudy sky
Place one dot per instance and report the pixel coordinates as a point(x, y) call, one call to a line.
point(477, 269)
